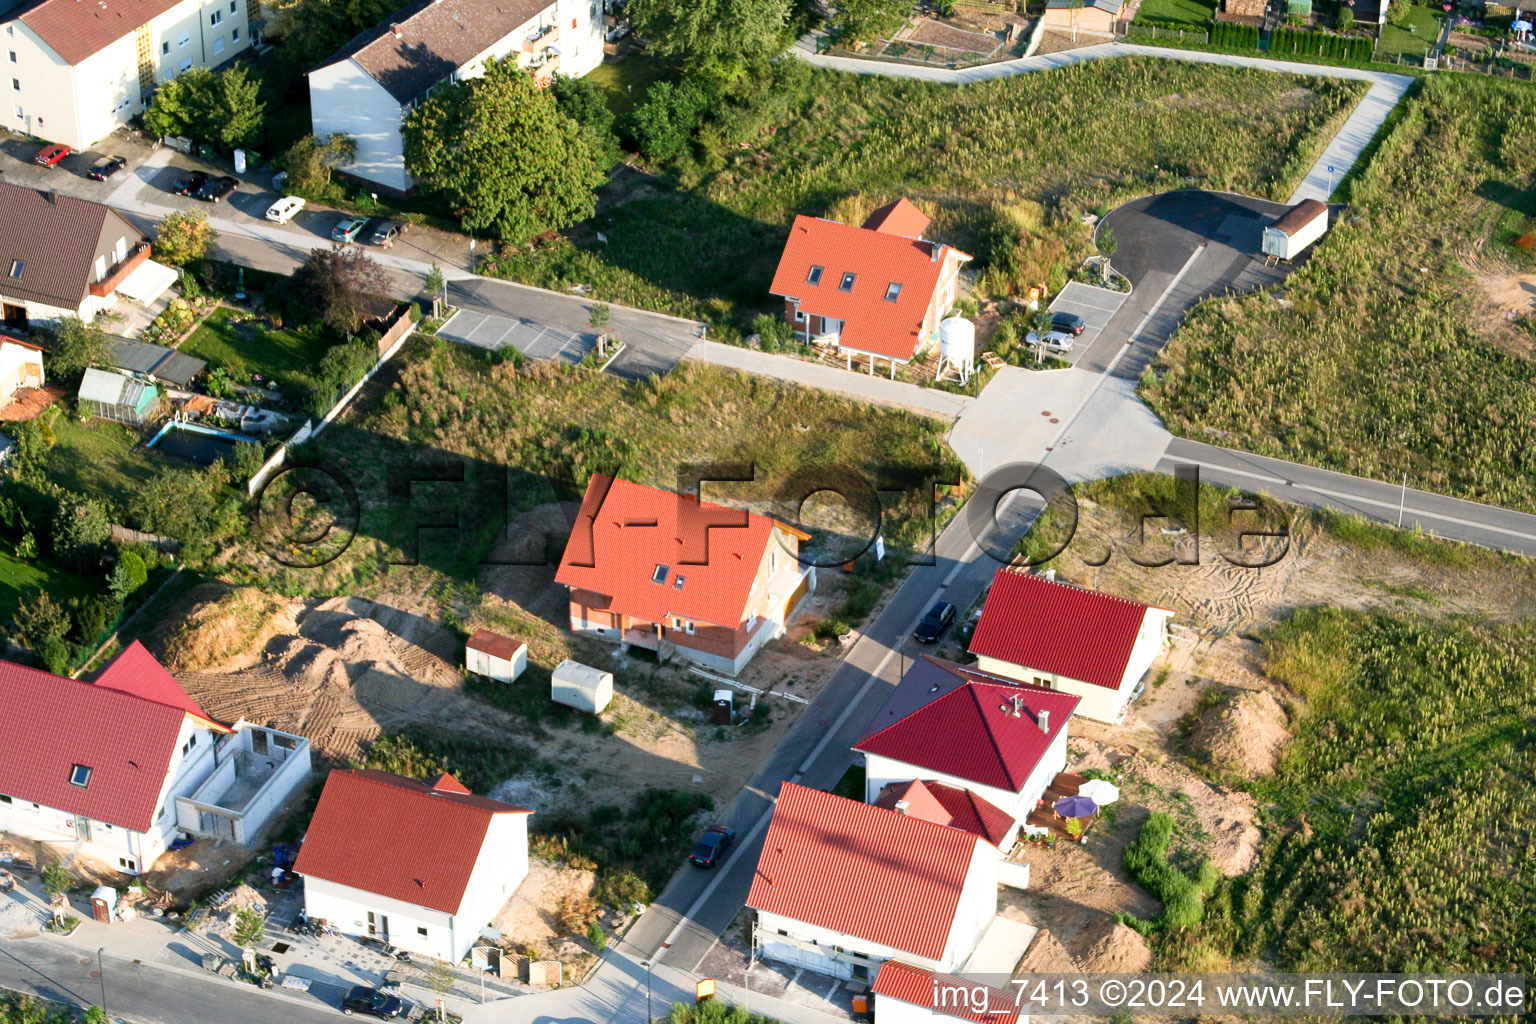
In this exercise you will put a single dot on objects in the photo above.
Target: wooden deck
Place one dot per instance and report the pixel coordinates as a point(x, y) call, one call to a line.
point(1064, 784)
point(28, 403)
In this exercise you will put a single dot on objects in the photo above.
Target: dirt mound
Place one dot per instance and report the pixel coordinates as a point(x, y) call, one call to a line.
point(1244, 733)
point(529, 917)
point(1046, 955)
point(1121, 950)
point(226, 628)
point(1226, 815)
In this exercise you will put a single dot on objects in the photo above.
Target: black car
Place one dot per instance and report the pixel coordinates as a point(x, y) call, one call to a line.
point(362, 999)
point(191, 184)
point(711, 847)
point(1068, 322)
point(216, 189)
point(384, 232)
point(108, 167)
point(930, 626)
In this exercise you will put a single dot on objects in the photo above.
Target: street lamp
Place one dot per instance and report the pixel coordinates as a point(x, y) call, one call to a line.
point(101, 975)
point(648, 1016)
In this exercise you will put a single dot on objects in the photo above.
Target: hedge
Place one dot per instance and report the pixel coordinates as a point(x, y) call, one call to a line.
point(1237, 37)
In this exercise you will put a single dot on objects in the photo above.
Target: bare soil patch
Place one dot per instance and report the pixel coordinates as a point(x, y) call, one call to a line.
point(530, 918)
point(1244, 733)
point(1511, 298)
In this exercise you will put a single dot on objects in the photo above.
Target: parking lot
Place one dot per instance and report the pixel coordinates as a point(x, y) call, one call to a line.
point(537, 341)
point(1097, 306)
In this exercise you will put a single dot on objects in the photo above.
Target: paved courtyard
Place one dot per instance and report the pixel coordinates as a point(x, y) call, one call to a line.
point(1097, 306)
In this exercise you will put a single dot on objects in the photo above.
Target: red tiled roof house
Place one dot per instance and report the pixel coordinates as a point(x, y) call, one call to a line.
point(910, 995)
point(111, 769)
point(422, 865)
point(1038, 630)
point(877, 291)
point(842, 887)
point(675, 575)
point(966, 749)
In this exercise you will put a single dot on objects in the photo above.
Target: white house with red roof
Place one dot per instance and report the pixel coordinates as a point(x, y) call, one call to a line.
point(676, 575)
point(877, 291)
point(112, 768)
point(1038, 630)
point(966, 749)
point(422, 865)
point(842, 887)
point(912, 995)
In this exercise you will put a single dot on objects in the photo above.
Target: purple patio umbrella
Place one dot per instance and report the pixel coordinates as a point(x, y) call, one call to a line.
point(1075, 807)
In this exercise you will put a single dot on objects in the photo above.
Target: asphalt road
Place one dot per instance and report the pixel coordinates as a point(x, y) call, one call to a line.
point(681, 926)
point(1451, 518)
point(138, 992)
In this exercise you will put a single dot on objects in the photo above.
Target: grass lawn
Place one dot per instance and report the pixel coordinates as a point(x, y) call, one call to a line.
point(1389, 355)
point(625, 81)
point(1398, 39)
point(980, 157)
point(101, 459)
point(283, 354)
point(21, 579)
point(1186, 12)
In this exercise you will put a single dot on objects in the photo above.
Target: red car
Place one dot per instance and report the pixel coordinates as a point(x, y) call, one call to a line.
point(48, 156)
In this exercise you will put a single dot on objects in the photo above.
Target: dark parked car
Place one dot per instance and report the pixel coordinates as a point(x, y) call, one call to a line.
point(49, 156)
point(191, 184)
point(106, 168)
point(362, 999)
point(347, 229)
point(711, 847)
point(1069, 322)
point(216, 189)
point(931, 625)
point(384, 232)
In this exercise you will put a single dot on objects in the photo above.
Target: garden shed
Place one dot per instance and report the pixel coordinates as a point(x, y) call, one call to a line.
point(495, 656)
point(1296, 229)
point(115, 397)
point(581, 686)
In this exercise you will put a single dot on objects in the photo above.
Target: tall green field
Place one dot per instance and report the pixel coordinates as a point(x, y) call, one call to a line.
point(1386, 352)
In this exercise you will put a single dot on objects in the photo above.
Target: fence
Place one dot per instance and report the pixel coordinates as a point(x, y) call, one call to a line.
point(399, 330)
point(123, 535)
point(1177, 35)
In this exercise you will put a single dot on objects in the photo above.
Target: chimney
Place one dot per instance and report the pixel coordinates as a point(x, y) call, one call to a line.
point(935, 250)
point(902, 805)
point(1018, 705)
point(52, 197)
point(1045, 721)
point(1050, 574)
point(395, 29)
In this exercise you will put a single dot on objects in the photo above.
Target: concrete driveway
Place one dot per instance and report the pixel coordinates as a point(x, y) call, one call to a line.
point(1097, 307)
point(537, 341)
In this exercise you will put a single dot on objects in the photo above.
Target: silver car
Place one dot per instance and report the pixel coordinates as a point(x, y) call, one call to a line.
point(1054, 341)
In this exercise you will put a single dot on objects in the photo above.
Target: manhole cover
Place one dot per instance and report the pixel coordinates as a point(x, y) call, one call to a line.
point(1055, 420)
point(1045, 412)
point(93, 974)
point(83, 961)
point(280, 947)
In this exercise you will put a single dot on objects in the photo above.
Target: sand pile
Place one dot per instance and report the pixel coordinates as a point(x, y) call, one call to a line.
point(1046, 955)
point(1244, 734)
point(1121, 950)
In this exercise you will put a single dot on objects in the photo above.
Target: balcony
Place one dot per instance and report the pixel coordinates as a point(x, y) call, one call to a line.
point(547, 36)
point(107, 285)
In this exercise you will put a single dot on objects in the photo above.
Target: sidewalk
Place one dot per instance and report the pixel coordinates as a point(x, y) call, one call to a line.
point(863, 386)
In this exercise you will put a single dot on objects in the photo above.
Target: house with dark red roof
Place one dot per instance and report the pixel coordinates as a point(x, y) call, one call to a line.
point(877, 291)
point(1039, 630)
point(423, 866)
point(911, 995)
point(842, 887)
point(680, 576)
point(113, 768)
point(966, 749)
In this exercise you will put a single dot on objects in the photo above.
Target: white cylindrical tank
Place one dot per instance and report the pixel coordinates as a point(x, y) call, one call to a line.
point(957, 341)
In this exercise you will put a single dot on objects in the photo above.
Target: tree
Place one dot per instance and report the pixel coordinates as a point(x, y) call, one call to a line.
point(583, 101)
point(250, 927)
point(437, 288)
point(128, 575)
point(716, 37)
point(77, 345)
point(223, 108)
point(440, 978)
point(56, 878)
point(664, 125)
point(857, 21)
point(81, 530)
point(1344, 18)
point(338, 282)
point(184, 237)
point(310, 162)
point(500, 151)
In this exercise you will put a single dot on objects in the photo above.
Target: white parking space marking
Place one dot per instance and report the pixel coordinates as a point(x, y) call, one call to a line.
point(1097, 306)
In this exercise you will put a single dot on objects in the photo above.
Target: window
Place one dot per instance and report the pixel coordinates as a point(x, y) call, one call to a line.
point(16, 84)
point(101, 267)
point(419, 929)
point(799, 316)
point(186, 37)
point(892, 291)
point(126, 863)
point(186, 65)
point(234, 5)
point(216, 19)
point(814, 277)
point(773, 561)
point(846, 284)
point(19, 114)
point(218, 45)
point(4, 799)
point(752, 622)
point(678, 583)
point(688, 628)
point(659, 575)
point(79, 775)
point(677, 623)
point(13, 56)
point(119, 251)
point(17, 266)
point(165, 47)
point(234, 35)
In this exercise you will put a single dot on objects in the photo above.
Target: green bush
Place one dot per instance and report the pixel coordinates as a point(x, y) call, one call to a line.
point(1183, 898)
point(1235, 37)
